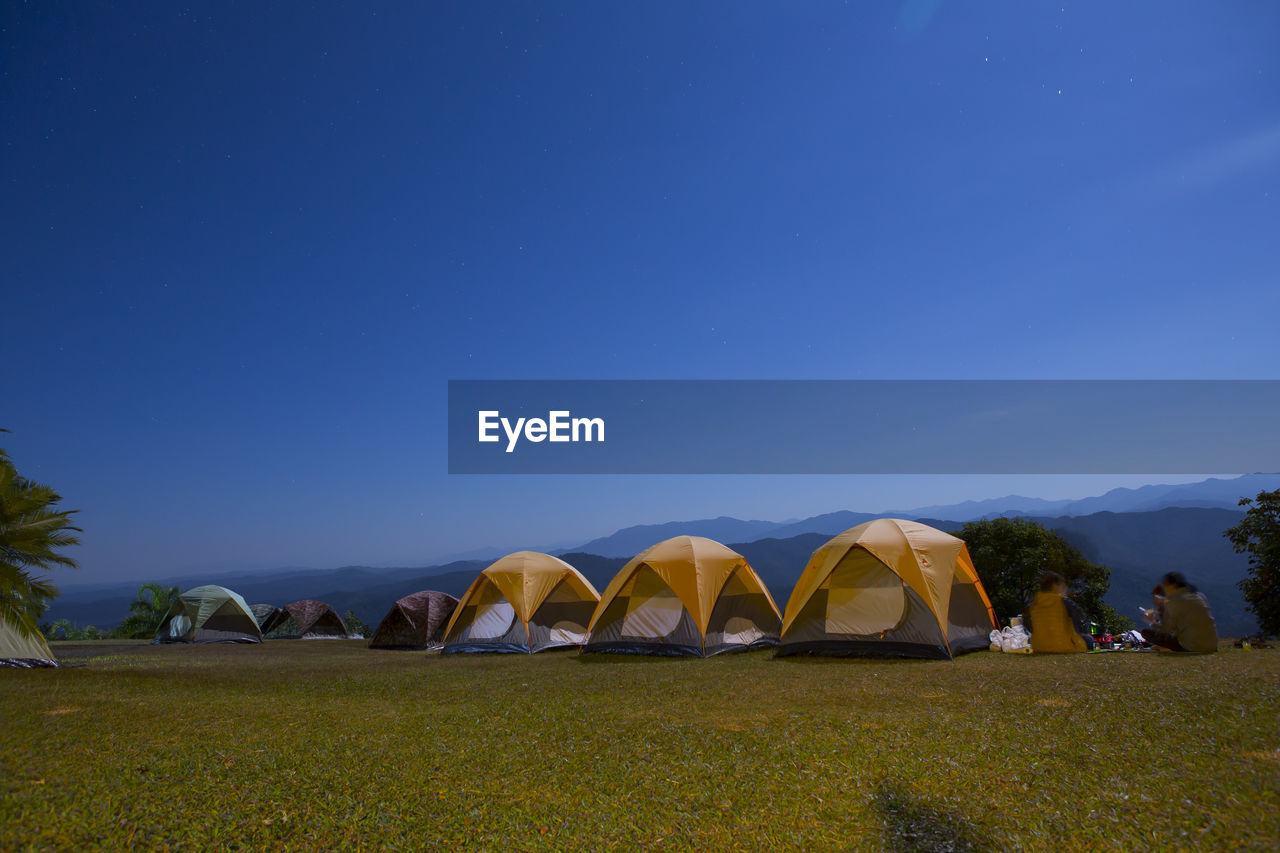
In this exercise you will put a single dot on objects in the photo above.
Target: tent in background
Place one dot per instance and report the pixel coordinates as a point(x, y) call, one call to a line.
point(209, 614)
point(309, 620)
point(416, 621)
point(23, 652)
point(684, 596)
point(524, 602)
point(268, 616)
point(888, 587)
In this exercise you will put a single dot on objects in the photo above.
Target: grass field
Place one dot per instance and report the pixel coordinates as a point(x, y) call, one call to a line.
point(328, 745)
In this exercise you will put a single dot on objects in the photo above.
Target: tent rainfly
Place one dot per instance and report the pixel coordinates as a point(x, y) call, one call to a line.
point(525, 602)
point(23, 651)
point(268, 616)
point(685, 596)
point(209, 614)
point(415, 622)
point(888, 588)
point(309, 620)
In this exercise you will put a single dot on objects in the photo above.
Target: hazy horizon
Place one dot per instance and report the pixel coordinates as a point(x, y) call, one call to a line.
point(1057, 489)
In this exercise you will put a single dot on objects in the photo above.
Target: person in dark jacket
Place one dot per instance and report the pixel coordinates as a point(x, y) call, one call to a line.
point(1185, 623)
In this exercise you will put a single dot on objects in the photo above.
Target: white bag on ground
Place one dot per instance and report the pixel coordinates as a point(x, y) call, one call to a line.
point(1014, 640)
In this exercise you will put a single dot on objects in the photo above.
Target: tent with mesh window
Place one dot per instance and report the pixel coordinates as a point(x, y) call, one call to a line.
point(416, 621)
point(524, 602)
point(890, 588)
point(685, 596)
point(309, 619)
point(209, 614)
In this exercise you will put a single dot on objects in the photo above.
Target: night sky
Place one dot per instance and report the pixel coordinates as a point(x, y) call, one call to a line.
point(245, 245)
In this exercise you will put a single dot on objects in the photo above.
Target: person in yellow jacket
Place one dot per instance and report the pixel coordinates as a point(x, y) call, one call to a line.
point(1049, 620)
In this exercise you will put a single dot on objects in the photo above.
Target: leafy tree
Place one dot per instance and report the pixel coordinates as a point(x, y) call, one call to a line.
point(355, 625)
point(1010, 554)
point(31, 531)
point(1258, 535)
point(147, 612)
point(63, 629)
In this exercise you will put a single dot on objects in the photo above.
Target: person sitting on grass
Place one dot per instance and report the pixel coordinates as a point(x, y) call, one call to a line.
point(1053, 619)
point(1156, 613)
point(1185, 623)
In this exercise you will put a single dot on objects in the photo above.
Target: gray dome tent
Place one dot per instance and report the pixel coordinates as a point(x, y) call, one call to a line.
point(268, 616)
point(209, 614)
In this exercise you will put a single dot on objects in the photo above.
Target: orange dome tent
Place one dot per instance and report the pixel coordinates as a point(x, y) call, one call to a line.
point(888, 587)
point(525, 602)
point(685, 596)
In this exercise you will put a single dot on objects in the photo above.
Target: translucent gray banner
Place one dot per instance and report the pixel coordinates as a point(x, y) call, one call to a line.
point(863, 427)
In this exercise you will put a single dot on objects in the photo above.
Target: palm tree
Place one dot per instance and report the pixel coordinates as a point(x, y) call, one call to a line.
point(62, 629)
point(147, 612)
point(30, 531)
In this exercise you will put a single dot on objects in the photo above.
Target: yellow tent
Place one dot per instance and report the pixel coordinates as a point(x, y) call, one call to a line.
point(684, 596)
point(21, 651)
point(888, 587)
point(525, 602)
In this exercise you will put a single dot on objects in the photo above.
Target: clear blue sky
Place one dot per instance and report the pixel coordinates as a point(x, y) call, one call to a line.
point(245, 244)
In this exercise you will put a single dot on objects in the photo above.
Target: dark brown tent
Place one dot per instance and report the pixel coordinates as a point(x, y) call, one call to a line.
point(269, 616)
point(309, 620)
point(415, 622)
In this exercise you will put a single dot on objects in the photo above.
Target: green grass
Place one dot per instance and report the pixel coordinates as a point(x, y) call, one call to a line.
point(324, 745)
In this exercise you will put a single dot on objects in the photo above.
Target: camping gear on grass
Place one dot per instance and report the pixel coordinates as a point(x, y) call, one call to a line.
point(889, 588)
point(524, 602)
point(685, 596)
point(416, 621)
point(1013, 639)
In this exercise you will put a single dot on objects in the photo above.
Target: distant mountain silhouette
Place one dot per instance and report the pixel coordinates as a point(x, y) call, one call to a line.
point(630, 541)
point(1140, 533)
point(829, 524)
point(597, 569)
point(1213, 492)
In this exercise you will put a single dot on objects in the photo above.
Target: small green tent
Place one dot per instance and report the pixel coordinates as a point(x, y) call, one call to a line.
point(21, 651)
point(209, 614)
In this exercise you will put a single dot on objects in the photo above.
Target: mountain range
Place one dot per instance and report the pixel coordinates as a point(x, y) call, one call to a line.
point(1217, 493)
point(1141, 533)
